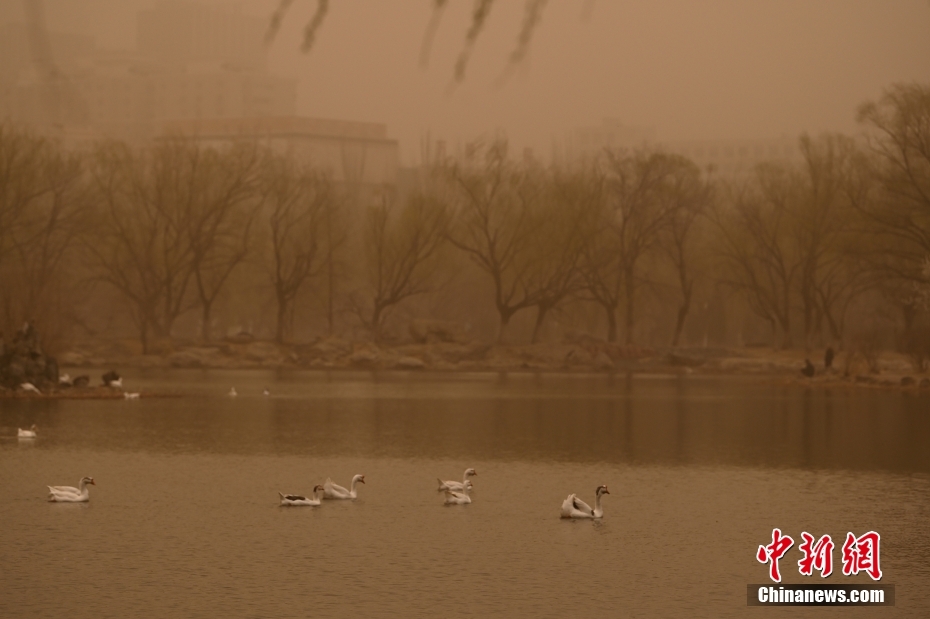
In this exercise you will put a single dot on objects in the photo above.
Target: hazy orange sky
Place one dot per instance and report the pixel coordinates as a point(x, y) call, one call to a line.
point(687, 68)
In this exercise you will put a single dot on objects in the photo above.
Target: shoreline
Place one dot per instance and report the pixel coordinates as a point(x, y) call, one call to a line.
point(593, 357)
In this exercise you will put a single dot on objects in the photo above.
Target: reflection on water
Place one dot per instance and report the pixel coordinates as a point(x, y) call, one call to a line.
point(184, 520)
point(510, 417)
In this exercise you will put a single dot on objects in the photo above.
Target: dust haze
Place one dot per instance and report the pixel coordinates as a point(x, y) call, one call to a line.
point(617, 177)
point(716, 69)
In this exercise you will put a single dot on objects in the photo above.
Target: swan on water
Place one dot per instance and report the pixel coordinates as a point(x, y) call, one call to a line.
point(296, 499)
point(455, 497)
point(30, 387)
point(573, 507)
point(70, 494)
point(458, 486)
point(30, 433)
point(335, 491)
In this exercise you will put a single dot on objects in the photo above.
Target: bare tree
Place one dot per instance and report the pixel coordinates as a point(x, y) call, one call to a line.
point(295, 205)
point(827, 243)
point(220, 225)
point(567, 219)
point(688, 197)
point(494, 225)
point(21, 183)
point(893, 192)
point(336, 233)
point(401, 247)
point(755, 244)
point(43, 210)
point(632, 220)
point(147, 204)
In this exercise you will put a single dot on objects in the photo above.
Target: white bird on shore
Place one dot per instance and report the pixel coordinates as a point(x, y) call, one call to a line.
point(30, 433)
point(456, 485)
point(335, 491)
point(70, 494)
point(573, 507)
point(131, 396)
point(232, 392)
point(266, 392)
point(64, 379)
point(30, 387)
point(296, 499)
point(454, 497)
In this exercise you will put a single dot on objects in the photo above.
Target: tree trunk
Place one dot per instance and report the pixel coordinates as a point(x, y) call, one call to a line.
point(376, 322)
point(630, 305)
point(611, 323)
point(629, 318)
point(330, 292)
point(205, 318)
point(144, 334)
point(541, 311)
point(683, 310)
point(282, 319)
point(505, 315)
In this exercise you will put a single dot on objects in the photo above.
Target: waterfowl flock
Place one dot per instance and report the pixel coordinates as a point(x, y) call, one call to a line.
point(572, 506)
point(455, 492)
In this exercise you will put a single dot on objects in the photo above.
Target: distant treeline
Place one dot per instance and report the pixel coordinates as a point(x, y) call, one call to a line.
point(181, 241)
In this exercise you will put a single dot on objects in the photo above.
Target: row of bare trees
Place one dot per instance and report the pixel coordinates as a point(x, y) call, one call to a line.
point(175, 229)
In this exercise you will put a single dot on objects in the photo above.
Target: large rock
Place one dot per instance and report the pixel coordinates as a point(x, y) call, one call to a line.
point(364, 358)
point(410, 363)
point(264, 352)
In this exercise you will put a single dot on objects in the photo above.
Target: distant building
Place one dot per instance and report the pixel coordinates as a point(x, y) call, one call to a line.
point(358, 154)
point(193, 61)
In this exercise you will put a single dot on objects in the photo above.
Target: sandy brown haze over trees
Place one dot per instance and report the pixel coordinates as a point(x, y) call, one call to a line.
point(641, 247)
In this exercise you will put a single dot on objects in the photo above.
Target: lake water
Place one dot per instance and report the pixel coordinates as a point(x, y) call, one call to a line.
point(184, 520)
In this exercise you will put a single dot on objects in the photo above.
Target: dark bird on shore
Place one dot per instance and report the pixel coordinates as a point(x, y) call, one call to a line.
point(112, 379)
point(808, 369)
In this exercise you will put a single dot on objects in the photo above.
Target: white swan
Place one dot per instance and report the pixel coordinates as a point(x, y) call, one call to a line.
point(30, 387)
point(296, 499)
point(573, 507)
point(458, 486)
point(131, 396)
point(454, 497)
point(30, 433)
point(335, 491)
point(70, 494)
point(232, 392)
point(116, 384)
point(266, 392)
point(64, 379)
